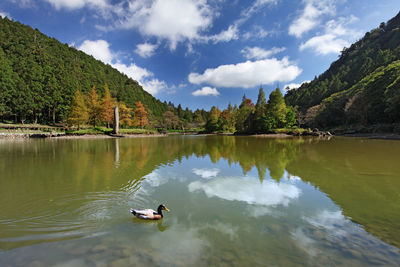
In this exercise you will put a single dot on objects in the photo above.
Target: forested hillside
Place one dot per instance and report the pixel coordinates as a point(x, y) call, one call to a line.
point(39, 76)
point(362, 86)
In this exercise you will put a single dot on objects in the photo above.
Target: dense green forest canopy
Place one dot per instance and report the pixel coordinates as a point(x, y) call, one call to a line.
point(39, 77)
point(362, 86)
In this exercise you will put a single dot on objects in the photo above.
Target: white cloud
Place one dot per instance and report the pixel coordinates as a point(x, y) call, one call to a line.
point(173, 20)
point(135, 72)
point(76, 4)
point(180, 20)
point(146, 50)
point(269, 193)
point(325, 44)
point(153, 86)
point(248, 74)
point(337, 36)
point(206, 91)
point(5, 14)
point(260, 53)
point(339, 27)
point(232, 33)
point(100, 49)
point(206, 173)
point(257, 32)
point(293, 85)
point(311, 15)
point(255, 7)
point(141, 75)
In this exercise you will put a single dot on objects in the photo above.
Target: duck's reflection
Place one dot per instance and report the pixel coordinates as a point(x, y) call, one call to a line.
point(161, 226)
point(160, 223)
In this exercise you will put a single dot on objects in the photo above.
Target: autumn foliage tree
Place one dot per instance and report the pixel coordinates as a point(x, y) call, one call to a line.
point(140, 119)
point(107, 107)
point(94, 107)
point(79, 112)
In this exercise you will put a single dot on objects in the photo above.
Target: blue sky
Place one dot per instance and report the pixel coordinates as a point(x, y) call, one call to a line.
point(202, 53)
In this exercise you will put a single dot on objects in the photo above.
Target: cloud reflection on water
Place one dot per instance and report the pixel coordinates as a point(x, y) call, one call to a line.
point(178, 244)
point(328, 233)
point(206, 173)
point(269, 193)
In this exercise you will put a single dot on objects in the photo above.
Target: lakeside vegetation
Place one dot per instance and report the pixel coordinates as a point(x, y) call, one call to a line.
point(263, 117)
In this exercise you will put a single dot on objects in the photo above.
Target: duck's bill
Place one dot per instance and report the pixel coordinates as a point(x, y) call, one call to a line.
point(166, 209)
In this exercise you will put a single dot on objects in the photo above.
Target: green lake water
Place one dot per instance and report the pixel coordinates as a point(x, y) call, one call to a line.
point(234, 201)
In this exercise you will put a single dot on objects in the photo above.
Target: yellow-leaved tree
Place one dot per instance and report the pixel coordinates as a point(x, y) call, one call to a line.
point(107, 111)
point(79, 112)
point(125, 115)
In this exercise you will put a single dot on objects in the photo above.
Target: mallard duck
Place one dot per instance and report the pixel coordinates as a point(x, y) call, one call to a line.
point(149, 214)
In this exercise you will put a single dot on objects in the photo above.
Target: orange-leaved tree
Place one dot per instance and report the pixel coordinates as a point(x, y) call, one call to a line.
point(94, 107)
point(79, 112)
point(140, 119)
point(107, 111)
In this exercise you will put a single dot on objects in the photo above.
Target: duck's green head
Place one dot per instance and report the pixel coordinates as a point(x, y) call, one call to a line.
point(162, 207)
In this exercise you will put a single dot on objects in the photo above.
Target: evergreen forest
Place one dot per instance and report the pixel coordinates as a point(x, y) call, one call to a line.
point(39, 77)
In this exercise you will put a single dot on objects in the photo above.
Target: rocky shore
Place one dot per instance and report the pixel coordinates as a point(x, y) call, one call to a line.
point(309, 132)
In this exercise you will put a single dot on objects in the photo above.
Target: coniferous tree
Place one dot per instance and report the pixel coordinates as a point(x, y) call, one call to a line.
point(7, 84)
point(259, 115)
point(94, 107)
point(261, 101)
point(140, 119)
point(276, 108)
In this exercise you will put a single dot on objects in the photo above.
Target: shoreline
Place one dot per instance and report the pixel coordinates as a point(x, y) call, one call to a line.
point(11, 136)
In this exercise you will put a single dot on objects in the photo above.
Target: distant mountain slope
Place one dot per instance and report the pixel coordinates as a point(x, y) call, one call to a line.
point(39, 75)
point(360, 87)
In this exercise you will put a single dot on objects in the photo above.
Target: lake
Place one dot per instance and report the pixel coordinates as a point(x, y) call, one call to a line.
point(234, 201)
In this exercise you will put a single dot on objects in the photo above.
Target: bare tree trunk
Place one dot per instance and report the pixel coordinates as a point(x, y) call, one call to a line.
point(54, 115)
